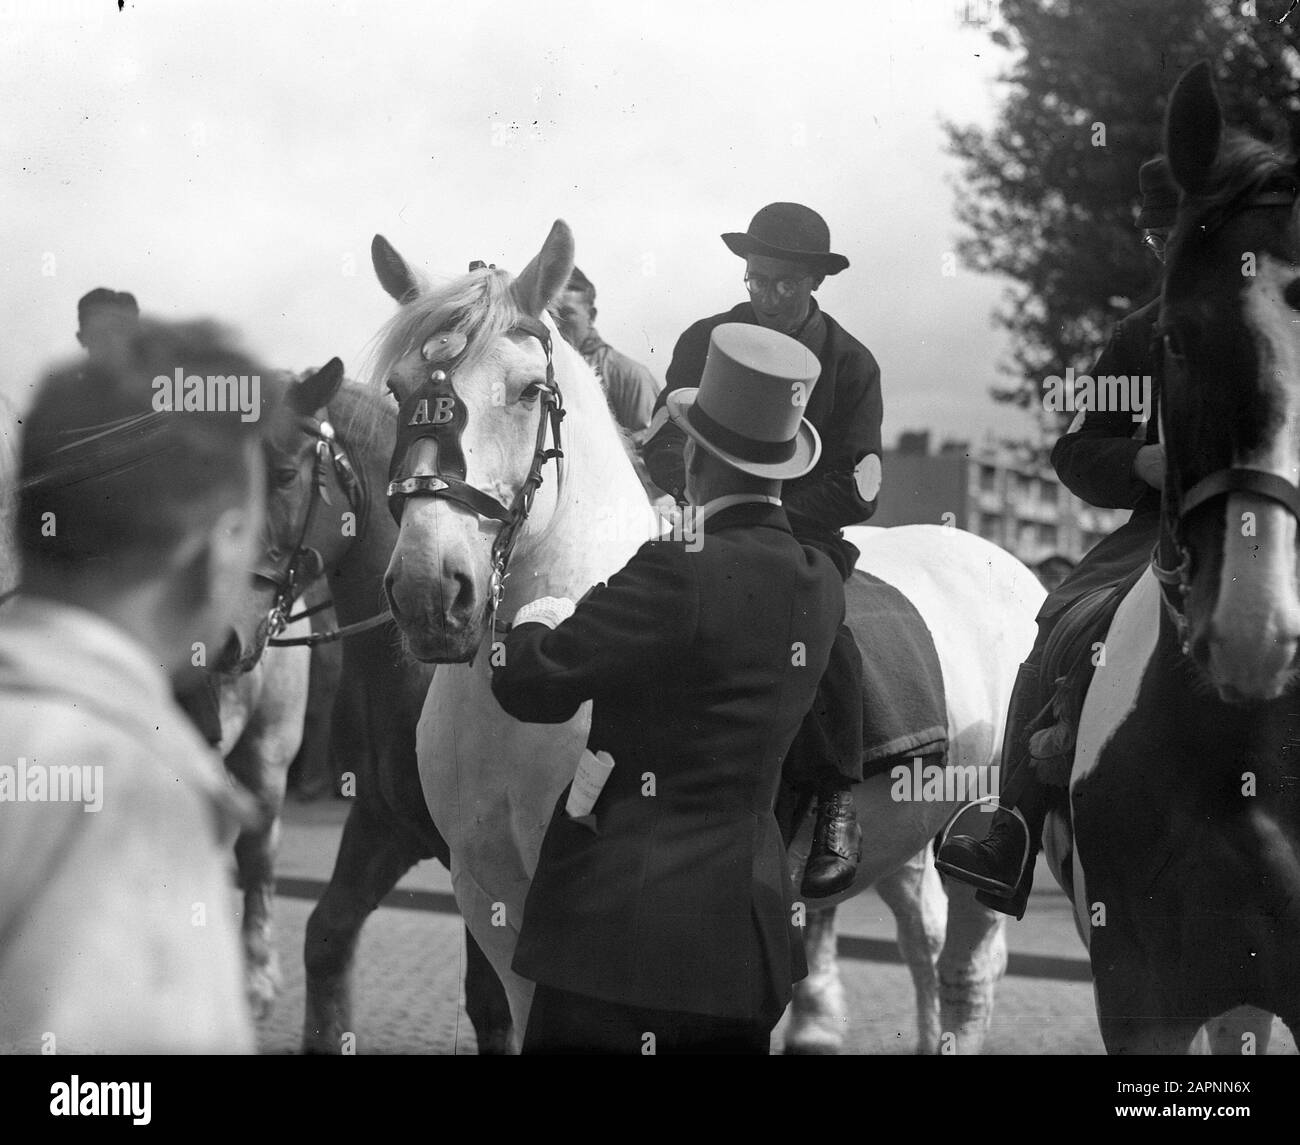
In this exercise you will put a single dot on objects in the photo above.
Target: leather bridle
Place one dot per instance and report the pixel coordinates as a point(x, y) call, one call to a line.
point(435, 412)
point(305, 563)
point(1171, 563)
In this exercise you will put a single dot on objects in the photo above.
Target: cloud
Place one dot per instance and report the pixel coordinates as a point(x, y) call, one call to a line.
point(235, 160)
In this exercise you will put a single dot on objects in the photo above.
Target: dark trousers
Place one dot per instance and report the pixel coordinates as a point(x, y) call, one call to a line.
point(562, 1022)
point(827, 749)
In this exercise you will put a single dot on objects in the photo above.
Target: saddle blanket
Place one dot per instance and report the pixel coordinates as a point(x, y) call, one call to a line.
point(904, 709)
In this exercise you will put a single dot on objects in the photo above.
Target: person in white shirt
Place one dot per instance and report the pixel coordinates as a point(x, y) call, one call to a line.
point(136, 529)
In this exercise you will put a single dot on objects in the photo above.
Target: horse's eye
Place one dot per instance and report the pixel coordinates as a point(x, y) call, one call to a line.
point(1292, 294)
point(284, 477)
point(531, 392)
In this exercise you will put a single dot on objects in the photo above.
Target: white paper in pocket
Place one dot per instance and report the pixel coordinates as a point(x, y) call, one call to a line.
point(588, 782)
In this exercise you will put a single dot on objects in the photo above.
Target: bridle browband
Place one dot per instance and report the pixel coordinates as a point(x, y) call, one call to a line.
point(1171, 563)
point(435, 412)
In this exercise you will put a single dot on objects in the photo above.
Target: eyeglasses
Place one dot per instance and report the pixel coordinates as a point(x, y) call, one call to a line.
point(758, 285)
point(1155, 242)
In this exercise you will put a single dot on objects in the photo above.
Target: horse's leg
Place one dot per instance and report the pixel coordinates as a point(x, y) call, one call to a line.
point(260, 761)
point(372, 856)
point(818, 1015)
point(485, 1001)
point(1245, 1030)
point(1132, 1013)
point(974, 958)
point(915, 896)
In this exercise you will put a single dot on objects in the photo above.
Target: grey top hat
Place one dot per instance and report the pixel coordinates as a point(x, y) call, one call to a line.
point(748, 409)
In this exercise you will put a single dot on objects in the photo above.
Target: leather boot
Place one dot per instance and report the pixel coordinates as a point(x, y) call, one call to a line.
point(836, 846)
point(995, 864)
point(992, 864)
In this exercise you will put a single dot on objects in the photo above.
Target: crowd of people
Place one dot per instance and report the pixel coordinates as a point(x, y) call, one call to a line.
point(136, 531)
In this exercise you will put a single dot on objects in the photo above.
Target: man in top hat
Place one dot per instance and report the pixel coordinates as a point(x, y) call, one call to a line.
point(629, 387)
point(787, 256)
point(1112, 462)
point(662, 922)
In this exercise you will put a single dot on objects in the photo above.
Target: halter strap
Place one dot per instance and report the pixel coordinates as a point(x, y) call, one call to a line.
point(1242, 479)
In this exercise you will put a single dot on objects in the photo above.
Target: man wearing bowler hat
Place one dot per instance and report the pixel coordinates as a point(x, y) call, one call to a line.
point(662, 920)
point(1108, 460)
point(787, 256)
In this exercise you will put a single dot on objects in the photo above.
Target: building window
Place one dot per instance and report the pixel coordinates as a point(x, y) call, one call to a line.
point(988, 479)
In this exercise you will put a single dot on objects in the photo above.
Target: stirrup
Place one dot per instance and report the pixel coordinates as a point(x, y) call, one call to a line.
point(1014, 812)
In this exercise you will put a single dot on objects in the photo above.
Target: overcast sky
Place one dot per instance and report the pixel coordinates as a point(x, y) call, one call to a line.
point(234, 160)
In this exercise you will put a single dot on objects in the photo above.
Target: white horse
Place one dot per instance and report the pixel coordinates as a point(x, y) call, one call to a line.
point(978, 603)
point(490, 781)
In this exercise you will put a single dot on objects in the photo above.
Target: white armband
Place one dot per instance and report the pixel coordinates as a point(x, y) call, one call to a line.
point(548, 610)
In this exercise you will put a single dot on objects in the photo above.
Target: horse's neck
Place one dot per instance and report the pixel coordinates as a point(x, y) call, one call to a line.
point(363, 425)
point(601, 518)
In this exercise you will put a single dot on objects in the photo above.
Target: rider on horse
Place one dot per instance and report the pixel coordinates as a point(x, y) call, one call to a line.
point(787, 255)
point(1101, 461)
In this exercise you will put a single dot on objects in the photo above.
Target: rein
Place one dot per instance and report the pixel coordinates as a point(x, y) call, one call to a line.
point(435, 412)
point(1171, 562)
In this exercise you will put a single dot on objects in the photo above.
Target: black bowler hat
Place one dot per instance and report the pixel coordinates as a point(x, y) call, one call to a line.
point(1159, 195)
point(790, 231)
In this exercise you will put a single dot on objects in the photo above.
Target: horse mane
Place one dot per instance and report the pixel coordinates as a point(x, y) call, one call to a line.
point(1244, 164)
point(478, 305)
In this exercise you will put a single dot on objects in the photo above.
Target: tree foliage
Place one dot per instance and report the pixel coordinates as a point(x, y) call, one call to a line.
point(1047, 206)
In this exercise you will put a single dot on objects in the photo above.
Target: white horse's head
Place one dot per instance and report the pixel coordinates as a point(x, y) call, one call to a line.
point(468, 367)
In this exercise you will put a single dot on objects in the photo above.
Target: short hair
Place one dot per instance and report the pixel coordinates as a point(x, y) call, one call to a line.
point(101, 298)
point(579, 283)
point(126, 482)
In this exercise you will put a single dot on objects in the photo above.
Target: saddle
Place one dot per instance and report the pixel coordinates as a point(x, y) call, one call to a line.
point(1069, 663)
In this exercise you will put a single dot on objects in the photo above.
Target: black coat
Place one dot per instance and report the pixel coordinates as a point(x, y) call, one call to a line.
point(702, 666)
point(1095, 462)
point(845, 408)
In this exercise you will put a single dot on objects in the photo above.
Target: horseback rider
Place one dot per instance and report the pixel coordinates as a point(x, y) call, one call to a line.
point(1102, 461)
point(787, 256)
point(662, 904)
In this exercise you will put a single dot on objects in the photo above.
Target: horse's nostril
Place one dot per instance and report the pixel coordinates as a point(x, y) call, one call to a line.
point(388, 595)
point(464, 593)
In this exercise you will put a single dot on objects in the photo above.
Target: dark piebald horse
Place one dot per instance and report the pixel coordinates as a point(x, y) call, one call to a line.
point(1185, 794)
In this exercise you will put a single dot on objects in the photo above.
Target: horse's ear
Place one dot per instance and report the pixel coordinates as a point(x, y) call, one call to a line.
point(1193, 128)
point(317, 390)
point(393, 273)
point(544, 277)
